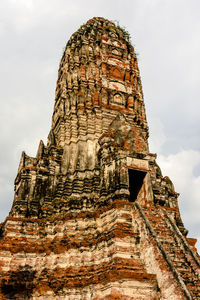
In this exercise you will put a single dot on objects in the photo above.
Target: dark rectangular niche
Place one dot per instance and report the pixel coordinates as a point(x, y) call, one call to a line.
point(136, 179)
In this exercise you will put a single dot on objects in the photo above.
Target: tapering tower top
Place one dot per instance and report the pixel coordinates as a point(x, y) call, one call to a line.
point(98, 74)
point(98, 131)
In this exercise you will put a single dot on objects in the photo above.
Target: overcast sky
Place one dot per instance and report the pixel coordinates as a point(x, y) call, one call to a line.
point(166, 36)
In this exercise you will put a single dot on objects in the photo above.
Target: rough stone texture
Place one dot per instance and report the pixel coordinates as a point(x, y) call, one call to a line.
point(93, 217)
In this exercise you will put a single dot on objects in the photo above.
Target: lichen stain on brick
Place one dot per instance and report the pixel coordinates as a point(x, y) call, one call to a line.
point(75, 231)
point(18, 284)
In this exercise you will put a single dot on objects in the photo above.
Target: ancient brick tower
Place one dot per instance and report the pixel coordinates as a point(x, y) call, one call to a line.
point(92, 216)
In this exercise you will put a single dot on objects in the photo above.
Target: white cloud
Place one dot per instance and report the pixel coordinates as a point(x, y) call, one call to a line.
point(180, 168)
point(157, 136)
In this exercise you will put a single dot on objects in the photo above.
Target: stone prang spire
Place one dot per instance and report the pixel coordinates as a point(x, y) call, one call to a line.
point(93, 218)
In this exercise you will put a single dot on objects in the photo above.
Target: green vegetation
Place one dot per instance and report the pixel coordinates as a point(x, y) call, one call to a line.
point(123, 30)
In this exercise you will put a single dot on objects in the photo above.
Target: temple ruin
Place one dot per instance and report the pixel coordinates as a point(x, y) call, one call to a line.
point(92, 217)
